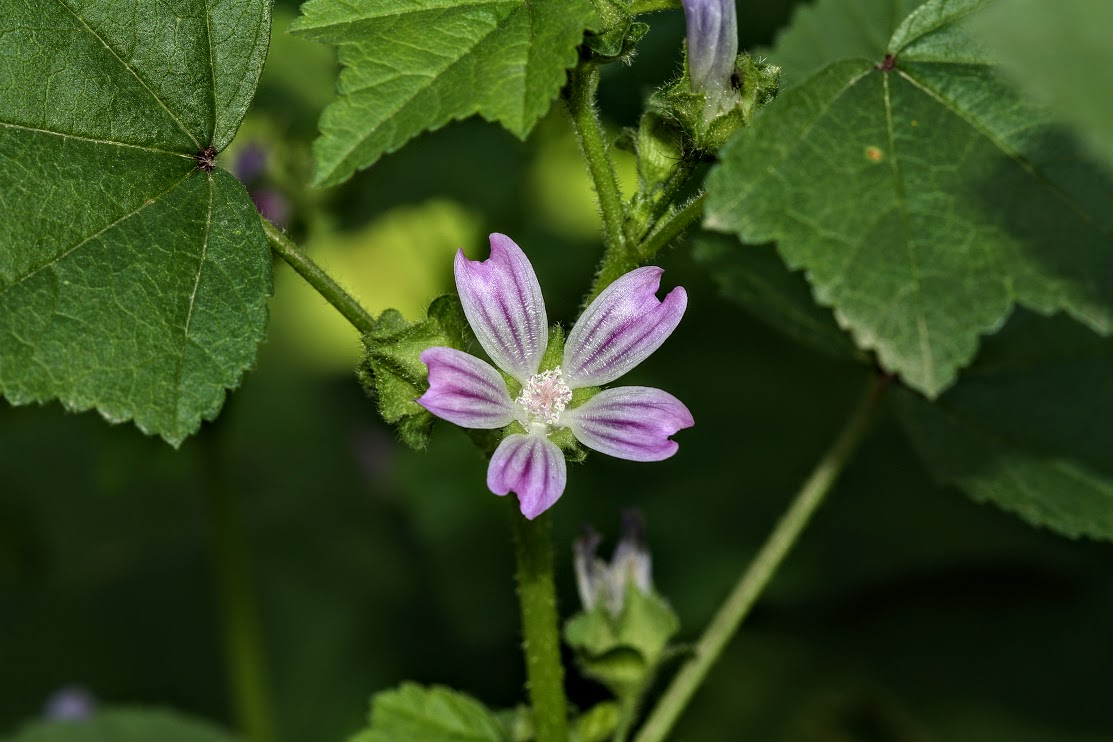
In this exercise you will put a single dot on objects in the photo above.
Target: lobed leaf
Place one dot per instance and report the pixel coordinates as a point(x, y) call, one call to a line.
point(131, 280)
point(414, 65)
point(923, 198)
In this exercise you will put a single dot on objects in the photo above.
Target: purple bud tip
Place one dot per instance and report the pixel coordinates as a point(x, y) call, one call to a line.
point(712, 31)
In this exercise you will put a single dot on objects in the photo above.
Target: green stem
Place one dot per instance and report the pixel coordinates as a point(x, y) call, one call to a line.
point(668, 192)
point(582, 86)
point(242, 627)
point(754, 580)
point(537, 595)
point(671, 227)
point(325, 285)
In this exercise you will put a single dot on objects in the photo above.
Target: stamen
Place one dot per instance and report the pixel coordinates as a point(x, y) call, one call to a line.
point(545, 396)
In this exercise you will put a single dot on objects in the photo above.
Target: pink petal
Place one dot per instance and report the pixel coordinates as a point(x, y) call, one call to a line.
point(629, 422)
point(621, 328)
point(503, 303)
point(531, 466)
point(465, 390)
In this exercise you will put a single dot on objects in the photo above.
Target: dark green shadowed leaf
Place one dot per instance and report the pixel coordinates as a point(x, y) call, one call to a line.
point(755, 278)
point(1029, 427)
point(832, 30)
point(1060, 53)
point(923, 200)
point(131, 280)
point(436, 714)
point(414, 65)
point(120, 725)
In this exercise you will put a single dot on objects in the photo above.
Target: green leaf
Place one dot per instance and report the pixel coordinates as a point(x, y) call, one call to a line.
point(434, 714)
point(831, 30)
point(392, 372)
point(1029, 426)
point(1060, 54)
point(755, 278)
point(131, 280)
point(922, 201)
point(125, 725)
point(414, 65)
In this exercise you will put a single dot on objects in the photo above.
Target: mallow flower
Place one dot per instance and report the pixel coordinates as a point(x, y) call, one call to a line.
point(502, 301)
point(712, 33)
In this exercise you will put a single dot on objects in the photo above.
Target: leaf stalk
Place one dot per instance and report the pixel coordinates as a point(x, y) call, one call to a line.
point(322, 282)
point(761, 570)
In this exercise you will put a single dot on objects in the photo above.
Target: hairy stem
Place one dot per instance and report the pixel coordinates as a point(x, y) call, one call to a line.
point(537, 595)
point(580, 99)
point(242, 627)
point(324, 284)
point(671, 227)
point(754, 580)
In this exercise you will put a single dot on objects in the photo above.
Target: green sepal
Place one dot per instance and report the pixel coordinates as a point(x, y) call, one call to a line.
point(619, 32)
point(756, 84)
point(554, 350)
point(659, 144)
point(597, 724)
point(391, 370)
point(660, 148)
point(622, 652)
point(518, 723)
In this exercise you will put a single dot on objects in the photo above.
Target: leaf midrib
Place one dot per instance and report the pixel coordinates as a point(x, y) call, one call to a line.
point(70, 250)
point(135, 73)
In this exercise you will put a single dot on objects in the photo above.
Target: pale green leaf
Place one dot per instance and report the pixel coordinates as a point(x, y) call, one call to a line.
point(435, 714)
point(924, 201)
point(131, 280)
point(414, 65)
point(1060, 53)
point(125, 725)
point(1029, 427)
point(832, 30)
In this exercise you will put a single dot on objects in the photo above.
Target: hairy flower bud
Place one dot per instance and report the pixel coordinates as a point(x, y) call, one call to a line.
point(712, 29)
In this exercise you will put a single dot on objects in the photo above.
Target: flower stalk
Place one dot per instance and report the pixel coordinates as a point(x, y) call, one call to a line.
point(541, 635)
point(761, 570)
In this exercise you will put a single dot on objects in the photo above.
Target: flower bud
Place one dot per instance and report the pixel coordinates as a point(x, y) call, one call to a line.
point(712, 30)
point(631, 565)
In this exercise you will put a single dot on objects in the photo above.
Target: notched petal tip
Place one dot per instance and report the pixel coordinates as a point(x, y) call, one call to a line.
point(502, 300)
point(465, 390)
point(621, 328)
point(631, 422)
point(532, 467)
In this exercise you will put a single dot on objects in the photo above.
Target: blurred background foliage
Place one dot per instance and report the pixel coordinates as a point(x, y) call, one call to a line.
point(907, 614)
